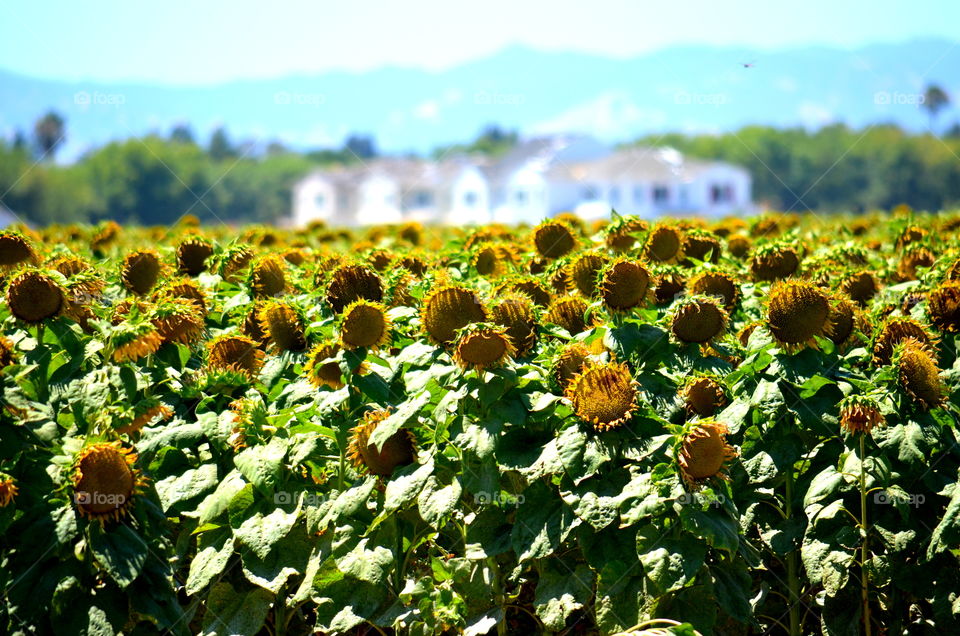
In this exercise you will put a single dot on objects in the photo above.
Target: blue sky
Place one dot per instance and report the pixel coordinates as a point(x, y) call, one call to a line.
point(199, 42)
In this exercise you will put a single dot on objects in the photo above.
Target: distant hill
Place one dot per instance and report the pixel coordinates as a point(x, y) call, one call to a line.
point(694, 89)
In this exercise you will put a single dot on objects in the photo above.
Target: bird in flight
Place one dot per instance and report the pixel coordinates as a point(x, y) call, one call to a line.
point(747, 64)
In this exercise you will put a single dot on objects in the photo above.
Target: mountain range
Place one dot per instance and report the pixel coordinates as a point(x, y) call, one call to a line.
point(679, 89)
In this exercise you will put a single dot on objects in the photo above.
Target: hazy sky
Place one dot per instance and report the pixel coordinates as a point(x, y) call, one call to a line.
point(202, 41)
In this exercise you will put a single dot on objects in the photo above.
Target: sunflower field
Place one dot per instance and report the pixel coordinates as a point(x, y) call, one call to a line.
point(741, 426)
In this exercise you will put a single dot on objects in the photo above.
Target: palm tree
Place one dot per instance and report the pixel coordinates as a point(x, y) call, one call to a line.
point(49, 132)
point(934, 100)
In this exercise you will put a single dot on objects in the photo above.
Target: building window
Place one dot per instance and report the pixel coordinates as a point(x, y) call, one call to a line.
point(320, 201)
point(521, 197)
point(661, 195)
point(470, 199)
point(614, 196)
point(638, 194)
point(590, 193)
point(422, 199)
point(721, 193)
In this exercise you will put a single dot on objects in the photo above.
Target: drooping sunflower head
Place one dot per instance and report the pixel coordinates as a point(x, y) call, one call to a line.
point(625, 284)
point(184, 288)
point(105, 235)
point(914, 258)
point(489, 260)
point(482, 346)
point(604, 394)
point(178, 320)
point(8, 352)
point(703, 396)
point(134, 339)
point(568, 363)
point(283, 324)
point(704, 453)
point(320, 367)
point(15, 249)
point(145, 413)
point(192, 255)
point(797, 312)
point(919, 373)
point(582, 272)
point(106, 481)
point(717, 283)
point(623, 234)
point(861, 286)
point(910, 234)
point(398, 450)
point(140, 271)
point(35, 295)
point(235, 353)
point(702, 246)
point(364, 324)
point(450, 308)
point(569, 312)
point(739, 245)
point(267, 276)
point(353, 282)
point(514, 311)
point(553, 239)
point(398, 285)
point(529, 285)
point(698, 319)
point(743, 336)
point(847, 321)
point(943, 306)
point(234, 259)
point(774, 262)
point(8, 490)
point(859, 414)
point(664, 244)
point(892, 332)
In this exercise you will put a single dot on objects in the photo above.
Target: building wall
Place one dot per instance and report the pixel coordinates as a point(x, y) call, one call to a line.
point(468, 199)
point(314, 198)
point(378, 201)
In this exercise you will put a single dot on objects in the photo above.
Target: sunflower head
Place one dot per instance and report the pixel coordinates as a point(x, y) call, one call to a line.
point(450, 308)
point(703, 396)
point(133, 339)
point(398, 289)
point(398, 450)
point(553, 239)
point(235, 353)
point(664, 244)
point(568, 312)
point(105, 235)
point(919, 373)
point(105, 481)
point(943, 306)
point(625, 284)
point(140, 271)
point(717, 283)
point(604, 394)
point(320, 367)
point(847, 321)
point(482, 346)
point(859, 414)
point(15, 249)
point(145, 413)
point(364, 324)
point(621, 235)
point(892, 332)
point(8, 352)
point(489, 260)
point(704, 453)
point(416, 263)
point(267, 277)
point(514, 311)
point(910, 234)
point(569, 362)
point(914, 258)
point(283, 324)
point(861, 286)
point(702, 246)
point(531, 286)
point(738, 245)
point(353, 282)
point(582, 272)
point(698, 319)
point(797, 311)
point(8, 489)
point(192, 255)
point(184, 288)
point(774, 262)
point(235, 259)
point(178, 320)
point(35, 295)
point(669, 283)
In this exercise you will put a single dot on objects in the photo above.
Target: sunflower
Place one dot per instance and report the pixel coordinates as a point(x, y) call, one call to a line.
point(624, 284)
point(846, 321)
point(106, 481)
point(251, 326)
point(621, 235)
point(703, 396)
point(704, 452)
point(490, 260)
point(743, 336)
point(702, 246)
point(184, 288)
point(716, 283)
point(267, 278)
point(398, 288)
point(514, 311)
point(140, 271)
point(8, 490)
point(399, 449)
point(664, 244)
point(320, 368)
point(105, 235)
point(529, 285)
point(132, 340)
point(774, 262)
point(919, 373)
point(178, 320)
point(234, 259)
point(192, 255)
point(553, 239)
point(861, 286)
point(34, 295)
point(943, 306)
point(859, 414)
point(698, 319)
point(416, 264)
point(15, 249)
point(603, 394)
point(283, 325)
point(670, 283)
point(296, 256)
point(364, 324)
point(582, 272)
point(481, 346)
point(797, 311)
point(353, 282)
point(894, 331)
point(450, 308)
point(569, 363)
point(738, 245)
point(568, 312)
point(8, 352)
point(914, 257)
point(235, 353)
point(910, 234)
point(153, 410)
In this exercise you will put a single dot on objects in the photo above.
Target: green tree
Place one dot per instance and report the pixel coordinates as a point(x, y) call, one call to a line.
point(49, 132)
point(220, 146)
point(182, 133)
point(935, 99)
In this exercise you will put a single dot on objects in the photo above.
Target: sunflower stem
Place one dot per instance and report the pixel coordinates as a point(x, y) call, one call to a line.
point(499, 597)
point(793, 580)
point(398, 557)
point(864, 549)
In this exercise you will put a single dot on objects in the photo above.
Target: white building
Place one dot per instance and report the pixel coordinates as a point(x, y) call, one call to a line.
point(539, 178)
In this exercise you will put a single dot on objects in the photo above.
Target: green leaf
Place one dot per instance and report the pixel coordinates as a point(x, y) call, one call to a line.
point(213, 554)
point(261, 532)
point(407, 485)
point(190, 484)
point(262, 465)
point(288, 559)
point(231, 613)
point(542, 521)
point(120, 552)
point(436, 503)
point(372, 565)
point(668, 562)
point(561, 591)
point(946, 536)
point(398, 419)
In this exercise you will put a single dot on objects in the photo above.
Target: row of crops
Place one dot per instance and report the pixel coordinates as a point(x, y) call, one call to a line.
point(733, 427)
